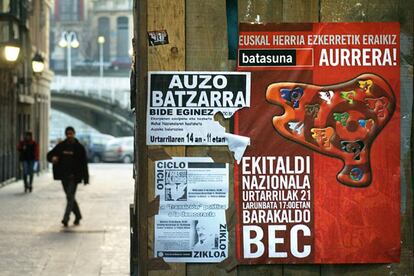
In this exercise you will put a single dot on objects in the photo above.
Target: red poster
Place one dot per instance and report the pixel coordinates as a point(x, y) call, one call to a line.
point(320, 181)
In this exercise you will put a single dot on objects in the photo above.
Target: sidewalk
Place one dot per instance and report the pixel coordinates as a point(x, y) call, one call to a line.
point(33, 241)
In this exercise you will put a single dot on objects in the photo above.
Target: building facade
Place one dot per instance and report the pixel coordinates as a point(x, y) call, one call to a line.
point(24, 95)
point(89, 19)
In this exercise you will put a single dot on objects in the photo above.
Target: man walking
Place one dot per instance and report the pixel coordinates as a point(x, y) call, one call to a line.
point(71, 167)
point(29, 155)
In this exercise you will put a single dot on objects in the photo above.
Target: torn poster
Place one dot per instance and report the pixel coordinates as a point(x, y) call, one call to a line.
point(182, 105)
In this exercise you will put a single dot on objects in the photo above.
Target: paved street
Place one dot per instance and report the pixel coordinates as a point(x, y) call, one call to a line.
point(33, 241)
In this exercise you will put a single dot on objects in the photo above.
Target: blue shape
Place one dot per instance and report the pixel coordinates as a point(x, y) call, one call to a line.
point(356, 174)
point(362, 123)
point(292, 96)
point(285, 94)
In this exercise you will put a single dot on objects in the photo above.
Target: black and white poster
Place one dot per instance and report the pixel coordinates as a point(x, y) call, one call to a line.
point(191, 224)
point(182, 105)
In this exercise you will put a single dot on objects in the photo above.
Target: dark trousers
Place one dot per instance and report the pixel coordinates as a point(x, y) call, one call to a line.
point(69, 186)
point(28, 173)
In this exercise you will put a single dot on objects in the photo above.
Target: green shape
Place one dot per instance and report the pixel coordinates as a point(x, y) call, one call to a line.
point(348, 96)
point(341, 117)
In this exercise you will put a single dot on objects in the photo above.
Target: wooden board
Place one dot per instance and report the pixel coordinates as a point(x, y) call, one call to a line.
point(176, 269)
point(206, 41)
point(198, 41)
point(141, 161)
point(382, 11)
point(206, 35)
point(170, 16)
point(301, 11)
point(251, 11)
point(264, 11)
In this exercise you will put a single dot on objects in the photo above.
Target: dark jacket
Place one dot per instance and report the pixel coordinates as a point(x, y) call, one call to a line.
point(29, 150)
point(72, 161)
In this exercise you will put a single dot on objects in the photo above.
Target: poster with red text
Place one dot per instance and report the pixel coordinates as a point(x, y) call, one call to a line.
point(320, 181)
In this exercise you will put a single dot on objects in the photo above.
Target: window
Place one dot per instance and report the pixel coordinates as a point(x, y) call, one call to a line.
point(17, 8)
point(122, 37)
point(69, 10)
point(104, 30)
point(5, 6)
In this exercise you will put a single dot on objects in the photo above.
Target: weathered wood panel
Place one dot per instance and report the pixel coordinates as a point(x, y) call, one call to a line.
point(206, 35)
point(264, 11)
point(198, 41)
point(169, 16)
point(256, 11)
point(385, 11)
point(279, 11)
point(301, 11)
point(207, 51)
point(139, 267)
point(176, 269)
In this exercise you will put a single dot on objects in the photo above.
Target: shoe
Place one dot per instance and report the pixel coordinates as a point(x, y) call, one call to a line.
point(25, 190)
point(76, 222)
point(30, 189)
point(65, 223)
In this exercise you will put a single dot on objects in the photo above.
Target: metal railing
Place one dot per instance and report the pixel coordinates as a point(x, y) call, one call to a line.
point(112, 5)
point(114, 90)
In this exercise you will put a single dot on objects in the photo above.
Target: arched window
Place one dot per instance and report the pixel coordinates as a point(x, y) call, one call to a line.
point(122, 37)
point(104, 30)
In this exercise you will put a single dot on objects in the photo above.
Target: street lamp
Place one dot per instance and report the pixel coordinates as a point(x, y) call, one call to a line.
point(10, 40)
point(11, 53)
point(101, 41)
point(69, 40)
point(38, 63)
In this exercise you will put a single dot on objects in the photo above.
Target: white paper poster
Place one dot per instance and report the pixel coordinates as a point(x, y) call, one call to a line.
point(191, 224)
point(191, 240)
point(182, 105)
